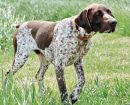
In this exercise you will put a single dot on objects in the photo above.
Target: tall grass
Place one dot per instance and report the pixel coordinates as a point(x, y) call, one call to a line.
point(96, 92)
point(106, 69)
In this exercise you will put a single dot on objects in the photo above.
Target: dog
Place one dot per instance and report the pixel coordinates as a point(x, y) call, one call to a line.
point(62, 43)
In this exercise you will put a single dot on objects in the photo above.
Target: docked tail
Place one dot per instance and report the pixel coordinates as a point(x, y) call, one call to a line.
point(15, 25)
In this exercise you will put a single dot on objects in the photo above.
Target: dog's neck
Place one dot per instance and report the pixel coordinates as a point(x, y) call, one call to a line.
point(81, 32)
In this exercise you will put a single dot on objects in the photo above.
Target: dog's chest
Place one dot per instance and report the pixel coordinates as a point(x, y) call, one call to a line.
point(69, 49)
point(79, 50)
point(65, 46)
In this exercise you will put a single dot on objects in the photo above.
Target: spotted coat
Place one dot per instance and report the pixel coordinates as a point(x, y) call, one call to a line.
point(64, 50)
point(62, 43)
point(65, 45)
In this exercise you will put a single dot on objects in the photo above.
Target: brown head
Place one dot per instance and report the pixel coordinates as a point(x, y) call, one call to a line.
point(96, 18)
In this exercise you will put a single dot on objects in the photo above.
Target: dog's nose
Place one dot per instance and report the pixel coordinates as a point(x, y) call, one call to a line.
point(113, 23)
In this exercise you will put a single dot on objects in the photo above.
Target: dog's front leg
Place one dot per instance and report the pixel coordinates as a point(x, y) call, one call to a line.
point(81, 81)
point(62, 84)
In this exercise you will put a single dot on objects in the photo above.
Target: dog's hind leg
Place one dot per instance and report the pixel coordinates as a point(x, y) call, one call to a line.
point(23, 45)
point(40, 74)
point(20, 58)
point(81, 81)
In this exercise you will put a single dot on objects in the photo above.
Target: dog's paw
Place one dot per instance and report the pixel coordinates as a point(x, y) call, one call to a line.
point(73, 98)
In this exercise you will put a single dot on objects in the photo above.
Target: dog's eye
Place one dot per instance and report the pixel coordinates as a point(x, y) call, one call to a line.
point(99, 13)
point(108, 11)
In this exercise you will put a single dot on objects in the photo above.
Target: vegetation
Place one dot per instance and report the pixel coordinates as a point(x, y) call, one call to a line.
point(106, 65)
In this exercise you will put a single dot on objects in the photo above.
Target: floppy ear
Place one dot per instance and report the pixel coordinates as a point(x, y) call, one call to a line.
point(82, 20)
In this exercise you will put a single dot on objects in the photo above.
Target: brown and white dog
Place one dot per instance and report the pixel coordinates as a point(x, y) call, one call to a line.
point(62, 43)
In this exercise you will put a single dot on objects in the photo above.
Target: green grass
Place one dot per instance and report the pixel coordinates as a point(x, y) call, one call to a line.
point(106, 69)
point(107, 64)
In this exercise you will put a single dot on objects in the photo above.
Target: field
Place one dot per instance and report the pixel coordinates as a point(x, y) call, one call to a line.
point(107, 64)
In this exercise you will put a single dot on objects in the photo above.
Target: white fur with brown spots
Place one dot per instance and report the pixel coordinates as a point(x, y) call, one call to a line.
point(62, 43)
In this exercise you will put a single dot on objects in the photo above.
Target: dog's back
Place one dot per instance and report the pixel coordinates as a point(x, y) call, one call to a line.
point(42, 32)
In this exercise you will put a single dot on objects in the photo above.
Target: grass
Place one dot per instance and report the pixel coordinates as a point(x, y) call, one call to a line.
point(106, 70)
point(106, 64)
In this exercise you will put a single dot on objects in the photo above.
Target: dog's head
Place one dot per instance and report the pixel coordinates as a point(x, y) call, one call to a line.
point(96, 18)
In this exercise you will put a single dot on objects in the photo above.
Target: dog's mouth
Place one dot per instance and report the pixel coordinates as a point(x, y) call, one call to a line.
point(108, 26)
point(108, 30)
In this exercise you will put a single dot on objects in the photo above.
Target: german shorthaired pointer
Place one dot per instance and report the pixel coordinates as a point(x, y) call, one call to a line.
point(62, 43)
